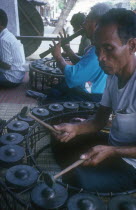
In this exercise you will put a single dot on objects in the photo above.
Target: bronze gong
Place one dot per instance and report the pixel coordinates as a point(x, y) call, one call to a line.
point(21, 176)
point(11, 138)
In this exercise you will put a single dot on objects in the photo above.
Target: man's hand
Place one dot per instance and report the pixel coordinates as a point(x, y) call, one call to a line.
point(97, 154)
point(68, 131)
point(56, 49)
point(64, 36)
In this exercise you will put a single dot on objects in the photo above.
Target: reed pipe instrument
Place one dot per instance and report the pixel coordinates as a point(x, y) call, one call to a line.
point(63, 42)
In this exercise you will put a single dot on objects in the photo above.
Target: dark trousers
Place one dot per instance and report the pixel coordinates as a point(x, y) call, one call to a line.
point(6, 83)
point(63, 92)
point(112, 175)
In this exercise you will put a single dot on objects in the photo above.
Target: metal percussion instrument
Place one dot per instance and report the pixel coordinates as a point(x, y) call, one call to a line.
point(40, 112)
point(71, 106)
point(27, 119)
point(87, 105)
point(11, 138)
point(44, 74)
point(18, 127)
point(21, 176)
point(56, 108)
point(11, 154)
point(44, 197)
point(84, 201)
point(124, 202)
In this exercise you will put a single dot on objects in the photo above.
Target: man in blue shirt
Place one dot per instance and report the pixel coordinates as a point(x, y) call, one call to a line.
point(87, 67)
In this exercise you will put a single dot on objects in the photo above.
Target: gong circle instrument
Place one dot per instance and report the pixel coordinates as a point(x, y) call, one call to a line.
point(47, 140)
point(21, 176)
point(40, 112)
point(18, 126)
point(44, 74)
point(44, 197)
point(22, 188)
point(11, 154)
point(11, 138)
point(84, 201)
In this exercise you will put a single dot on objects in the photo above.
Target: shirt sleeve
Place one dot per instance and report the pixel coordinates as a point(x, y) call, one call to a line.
point(106, 98)
point(6, 52)
point(85, 70)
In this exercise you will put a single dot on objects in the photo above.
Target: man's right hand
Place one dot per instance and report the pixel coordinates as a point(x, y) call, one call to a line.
point(67, 131)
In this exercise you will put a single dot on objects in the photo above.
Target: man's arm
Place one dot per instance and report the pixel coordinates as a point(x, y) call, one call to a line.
point(56, 52)
point(69, 131)
point(74, 58)
point(98, 123)
point(101, 152)
point(6, 55)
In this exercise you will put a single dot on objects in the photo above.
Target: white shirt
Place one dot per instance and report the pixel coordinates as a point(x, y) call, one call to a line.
point(12, 53)
point(123, 103)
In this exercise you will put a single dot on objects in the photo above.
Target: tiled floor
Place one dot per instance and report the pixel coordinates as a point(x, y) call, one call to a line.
point(14, 99)
point(8, 110)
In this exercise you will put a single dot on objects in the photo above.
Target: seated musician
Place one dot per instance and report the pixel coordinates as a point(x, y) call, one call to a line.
point(77, 21)
point(87, 67)
point(12, 56)
point(110, 164)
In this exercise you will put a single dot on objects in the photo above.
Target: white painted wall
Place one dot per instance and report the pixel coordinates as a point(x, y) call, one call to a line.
point(11, 8)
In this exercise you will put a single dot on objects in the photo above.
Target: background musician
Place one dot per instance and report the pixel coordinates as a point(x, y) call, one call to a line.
point(77, 21)
point(87, 68)
point(12, 56)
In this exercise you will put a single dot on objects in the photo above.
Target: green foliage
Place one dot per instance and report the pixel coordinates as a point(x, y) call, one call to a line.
point(61, 4)
point(133, 5)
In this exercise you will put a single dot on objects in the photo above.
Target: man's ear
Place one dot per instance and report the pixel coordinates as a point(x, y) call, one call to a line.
point(132, 45)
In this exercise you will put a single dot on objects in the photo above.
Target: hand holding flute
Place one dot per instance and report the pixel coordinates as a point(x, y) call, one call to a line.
point(64, 41)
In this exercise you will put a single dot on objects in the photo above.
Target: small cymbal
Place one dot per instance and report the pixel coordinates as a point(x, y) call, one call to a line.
point(11, 138)
point(11, 153)
point(18, 127)
point(56, 107)
point(27, 119)
point(87, 105)
point(21, 176)
point(84, 201)
point(45, 197)
point(124, 202)
point(40, 112)
point(71, 106)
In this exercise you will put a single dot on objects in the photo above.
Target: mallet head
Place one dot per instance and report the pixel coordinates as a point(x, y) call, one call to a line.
point(24, 111)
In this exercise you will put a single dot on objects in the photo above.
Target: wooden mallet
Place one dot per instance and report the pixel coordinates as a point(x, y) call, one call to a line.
point(25, 112)
point(50, 180)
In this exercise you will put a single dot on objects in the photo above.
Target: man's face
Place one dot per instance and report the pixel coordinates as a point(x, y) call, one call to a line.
point(89, 27)
point(76, 28)
point(113, 56)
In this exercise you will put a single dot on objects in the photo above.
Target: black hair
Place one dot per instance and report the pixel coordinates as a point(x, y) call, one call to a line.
point(98, 10)
point(125, 21)
point(78, 19)
point(3, 18)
